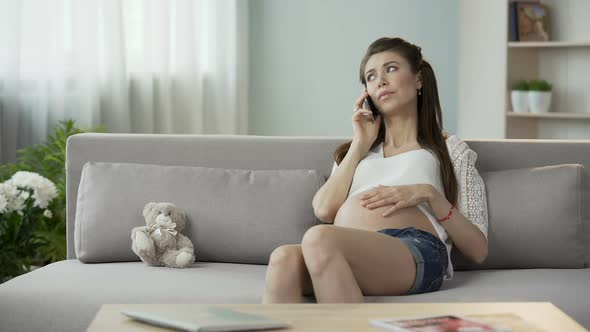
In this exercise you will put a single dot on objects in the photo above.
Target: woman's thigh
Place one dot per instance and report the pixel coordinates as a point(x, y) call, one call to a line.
point(381, 264)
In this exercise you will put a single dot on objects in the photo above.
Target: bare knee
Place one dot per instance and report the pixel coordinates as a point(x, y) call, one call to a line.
point(318, 248)
point(285, 257)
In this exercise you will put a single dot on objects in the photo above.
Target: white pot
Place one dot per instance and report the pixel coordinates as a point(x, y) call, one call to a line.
point(520, 101)
point(539, 101)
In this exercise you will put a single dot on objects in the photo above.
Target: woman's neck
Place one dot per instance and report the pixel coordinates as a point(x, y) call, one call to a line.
point(401, 130)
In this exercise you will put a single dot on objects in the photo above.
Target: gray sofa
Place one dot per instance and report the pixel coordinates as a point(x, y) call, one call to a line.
point(539, 251)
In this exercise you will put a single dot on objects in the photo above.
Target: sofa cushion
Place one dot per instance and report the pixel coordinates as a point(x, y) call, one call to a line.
point(234, 216)
point(534, 217)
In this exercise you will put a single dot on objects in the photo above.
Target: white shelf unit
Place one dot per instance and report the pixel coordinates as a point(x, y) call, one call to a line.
point(548, 44)
point(549, 115)
point(564, 61)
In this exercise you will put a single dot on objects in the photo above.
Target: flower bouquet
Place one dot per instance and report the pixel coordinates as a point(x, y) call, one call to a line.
point(24, 201)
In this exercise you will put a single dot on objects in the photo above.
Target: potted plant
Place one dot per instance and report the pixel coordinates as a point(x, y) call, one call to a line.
point(25, 201)
point(31, 236)
point(519, 96)
point(539, 96)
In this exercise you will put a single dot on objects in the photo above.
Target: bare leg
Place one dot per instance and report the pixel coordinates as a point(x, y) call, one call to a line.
point(287, 279)
point(345, 263)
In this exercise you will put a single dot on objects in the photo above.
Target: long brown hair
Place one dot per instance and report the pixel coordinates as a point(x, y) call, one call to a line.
point(430, 125)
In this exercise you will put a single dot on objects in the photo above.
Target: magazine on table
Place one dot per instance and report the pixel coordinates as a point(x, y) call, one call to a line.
point(500, 322)
point(208, 319)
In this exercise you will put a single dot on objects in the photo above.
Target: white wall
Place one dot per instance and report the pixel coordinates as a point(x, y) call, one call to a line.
point(482, 70)
point(305, 56)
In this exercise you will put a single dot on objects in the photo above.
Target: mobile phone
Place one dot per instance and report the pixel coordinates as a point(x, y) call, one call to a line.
point(368, 104)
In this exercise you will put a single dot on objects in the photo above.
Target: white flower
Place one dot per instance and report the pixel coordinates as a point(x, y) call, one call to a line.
point(15, 201)
point(44, 191)
point(24, 195)
point(3, 203)
point(47, 213)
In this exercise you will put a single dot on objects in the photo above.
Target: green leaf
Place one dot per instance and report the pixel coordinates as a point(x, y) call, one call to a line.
point(520, 85)
point(539, 85)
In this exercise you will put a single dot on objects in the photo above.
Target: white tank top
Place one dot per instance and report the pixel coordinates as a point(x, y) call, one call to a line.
point(411, 167)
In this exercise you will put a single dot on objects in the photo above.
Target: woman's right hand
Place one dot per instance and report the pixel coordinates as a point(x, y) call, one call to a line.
point(365, 128)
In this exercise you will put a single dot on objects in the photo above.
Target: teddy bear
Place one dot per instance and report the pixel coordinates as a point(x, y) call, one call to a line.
point(160, 243)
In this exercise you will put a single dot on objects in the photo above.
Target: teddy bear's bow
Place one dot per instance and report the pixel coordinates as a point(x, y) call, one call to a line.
point(168, 228)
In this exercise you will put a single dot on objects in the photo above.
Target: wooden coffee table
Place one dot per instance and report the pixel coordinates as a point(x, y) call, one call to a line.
point(349, 317)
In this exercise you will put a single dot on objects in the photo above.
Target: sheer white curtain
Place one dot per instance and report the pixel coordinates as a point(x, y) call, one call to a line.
point(144, 66)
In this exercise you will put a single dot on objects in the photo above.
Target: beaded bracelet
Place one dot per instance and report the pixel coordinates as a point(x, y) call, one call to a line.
point(449, 215)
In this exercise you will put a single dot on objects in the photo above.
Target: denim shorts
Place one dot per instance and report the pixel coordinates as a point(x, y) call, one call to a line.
point(430, 254)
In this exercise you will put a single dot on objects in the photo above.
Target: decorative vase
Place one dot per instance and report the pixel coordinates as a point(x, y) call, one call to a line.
point(520, 101)
point(539, 101)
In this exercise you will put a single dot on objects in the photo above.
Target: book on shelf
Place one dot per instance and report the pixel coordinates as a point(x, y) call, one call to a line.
point(528, 21)
point(499, 322)
point(512, 22)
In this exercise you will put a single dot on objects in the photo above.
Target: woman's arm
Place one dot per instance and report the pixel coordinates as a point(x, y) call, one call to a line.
point(467, 237)
point(333, 193)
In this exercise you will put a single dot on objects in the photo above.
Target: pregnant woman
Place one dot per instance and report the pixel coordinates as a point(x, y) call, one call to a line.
point(401, 195)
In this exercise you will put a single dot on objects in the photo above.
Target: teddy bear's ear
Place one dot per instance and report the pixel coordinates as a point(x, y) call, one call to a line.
point(166, 207)
point(148, 208)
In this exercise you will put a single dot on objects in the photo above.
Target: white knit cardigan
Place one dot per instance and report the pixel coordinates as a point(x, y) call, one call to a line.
point(472, 202)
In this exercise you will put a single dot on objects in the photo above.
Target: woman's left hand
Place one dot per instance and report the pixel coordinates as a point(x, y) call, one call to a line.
point(398, 196)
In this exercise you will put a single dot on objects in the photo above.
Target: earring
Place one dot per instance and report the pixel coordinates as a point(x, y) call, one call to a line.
point(419, 92)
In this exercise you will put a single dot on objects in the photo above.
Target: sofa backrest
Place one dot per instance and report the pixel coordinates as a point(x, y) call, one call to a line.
point(288, 152)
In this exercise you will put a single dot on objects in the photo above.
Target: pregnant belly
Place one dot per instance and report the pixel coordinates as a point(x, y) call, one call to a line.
point(352, 214)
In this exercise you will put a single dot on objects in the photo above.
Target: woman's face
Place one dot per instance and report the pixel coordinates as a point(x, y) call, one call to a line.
point(390, 81)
